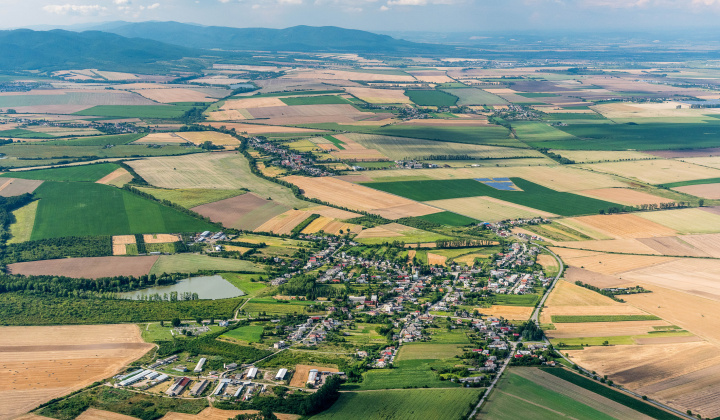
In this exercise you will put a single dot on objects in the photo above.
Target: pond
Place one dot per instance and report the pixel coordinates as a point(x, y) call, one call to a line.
point(209, 287)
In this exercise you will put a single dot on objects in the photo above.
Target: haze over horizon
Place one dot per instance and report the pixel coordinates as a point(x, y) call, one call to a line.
point(378, 15)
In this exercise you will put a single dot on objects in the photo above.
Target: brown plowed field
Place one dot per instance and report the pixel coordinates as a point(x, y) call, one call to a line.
point(672, 245)
point(261, 129)
point(623, 226)
point(625, 196)
point(603, 329)
point(90, 267)
point(625, 246)
point(161, 138)
point(167, 96)
point(709, 243)
point(349, 195)
point(683, 375)
point(691, 275)
point(41, 363)
point(119, 243)
point(711, 191)
point(615, 263)
point(246, 211)
point(603, 281)
point(10, 187)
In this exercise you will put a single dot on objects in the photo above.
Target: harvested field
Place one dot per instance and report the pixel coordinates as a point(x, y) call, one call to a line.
point(603, 281)
point(260, 129)
point(686, 221)
point(161, 238)
point(218, 139)
point(710, 191)
point(226, 170)
point(514, 313)
point(469, 259)
point(10, 187)
point(683, 375)
point(284, 223)
point(603, 329)
point(67, 101)
point(247, 211)
point(487, 208)
point(658, 171)
point(212, 413)
point(625, 196)
point(118, 178)
point(624, 226)
point(67, 357)
point(690, 275)
point(709, 244)
point(330, 225)
point(300, 377)
point(584, 229)
point(403, 233)
point(379, 96)
point(672, 245)
point(346, 194)
point(120, 242)
point(611, 264)
point(330, 74)
point(625, 246)
point(90, 267)
point(95, 414)
point(568, 294)
point(252, 103)
point(547, 261)
point(167, 96)
point(685, 153)
point(434, 259)
point(192, 263)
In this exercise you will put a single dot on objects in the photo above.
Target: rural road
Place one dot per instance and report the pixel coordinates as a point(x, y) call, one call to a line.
point(536, 314)
point(492, 384)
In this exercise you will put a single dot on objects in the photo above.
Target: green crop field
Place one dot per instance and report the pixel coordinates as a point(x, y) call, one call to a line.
point(607, 392)
point(97, 140)
point(89, 209)
point(532, 195)
point(21, 133)
point(410, 235)
point(519, 398)
point(428, 351)
point(80, 173)
point(443, 336)
point(474, 96)
point(431, 97)
point(249, 333)
point(244, 282)
point(535, 131)
point(516, 300)
point(402, 405)
point(449, 218)
point(645, 136)
point(693, 182)
point(562, 116)
point(191, 197)
point(276, 307)
point(315, 100)
point(137, 111)
point(336, 142)
point(191, 263)
point(601, 318)
point(407, 373)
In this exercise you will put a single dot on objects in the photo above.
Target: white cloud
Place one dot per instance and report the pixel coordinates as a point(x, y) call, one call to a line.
point(384, 8)
point(121, 2)
point(153, 6)
point(74, 9)
point(419, 2)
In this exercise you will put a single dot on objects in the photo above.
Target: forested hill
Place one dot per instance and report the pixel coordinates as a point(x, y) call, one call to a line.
point(297, 38)
point(24, 49)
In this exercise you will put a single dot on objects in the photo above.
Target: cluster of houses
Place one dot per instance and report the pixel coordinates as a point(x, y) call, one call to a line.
point(313, 331)
point(288, 159)
point(387, 357)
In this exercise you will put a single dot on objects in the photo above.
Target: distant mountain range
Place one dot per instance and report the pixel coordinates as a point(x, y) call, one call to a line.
point(297, 38)
point(23, 49)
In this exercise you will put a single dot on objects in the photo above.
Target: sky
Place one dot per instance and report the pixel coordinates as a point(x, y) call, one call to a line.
point(378, 15)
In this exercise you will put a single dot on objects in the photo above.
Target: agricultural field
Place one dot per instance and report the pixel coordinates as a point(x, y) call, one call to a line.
point(277, 307)
point(533, 393)
point(81, 173)
point(396, 232)
point(88, 267)
point(437, 98)
point(67, 357)
point(530, 194)
point(247, 334)
point(191, 197)
point(78, 209)
point(474, 96)
point(191, 263)
point(657, 171)
point(401, 404)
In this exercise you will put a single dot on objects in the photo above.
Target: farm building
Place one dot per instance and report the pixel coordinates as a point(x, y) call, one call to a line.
point(133, 373)
point(239, 391)
point(312, 376)
point(199, 366)
point(199, 387)
point(221, 386)
point(252, 373)
point(178, 387)
point(281, 374)
point(136, 378)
